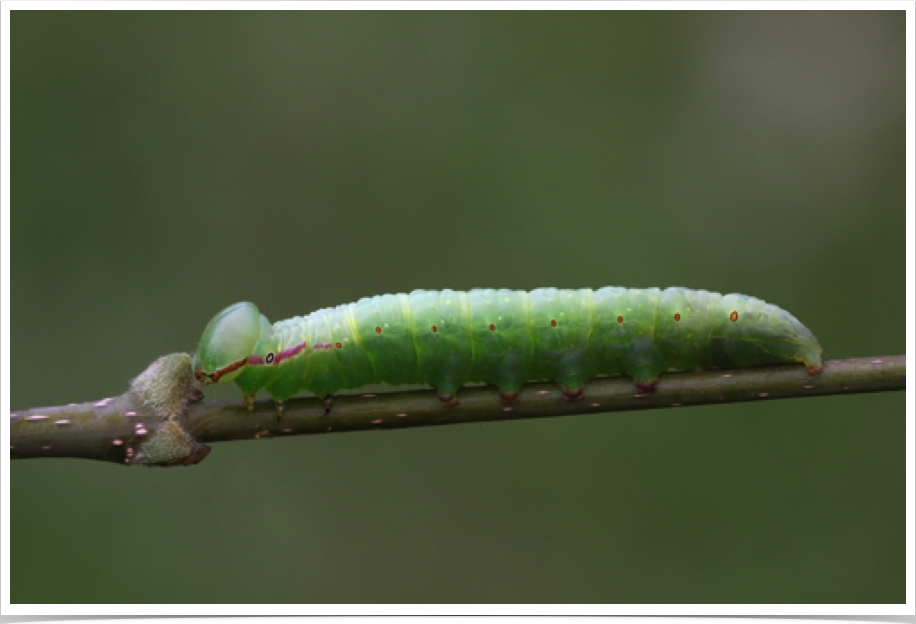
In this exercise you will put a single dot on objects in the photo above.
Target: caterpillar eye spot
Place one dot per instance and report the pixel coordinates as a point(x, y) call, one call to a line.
point(270, 358)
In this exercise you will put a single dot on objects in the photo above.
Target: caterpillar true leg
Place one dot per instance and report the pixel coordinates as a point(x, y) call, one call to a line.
point(248, 401)
point(328, 403)
point(281, 408)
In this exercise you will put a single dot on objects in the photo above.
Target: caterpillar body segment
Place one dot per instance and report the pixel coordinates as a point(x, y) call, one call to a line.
point(502, 337)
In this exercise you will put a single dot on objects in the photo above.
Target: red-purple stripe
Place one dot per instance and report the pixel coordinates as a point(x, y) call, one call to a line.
point(290, 352)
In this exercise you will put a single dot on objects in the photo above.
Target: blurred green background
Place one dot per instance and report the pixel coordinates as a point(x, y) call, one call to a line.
point(166, 164)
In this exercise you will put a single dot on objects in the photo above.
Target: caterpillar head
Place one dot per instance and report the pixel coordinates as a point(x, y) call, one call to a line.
point(229, 338)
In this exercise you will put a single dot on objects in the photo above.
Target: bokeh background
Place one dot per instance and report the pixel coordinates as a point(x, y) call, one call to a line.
point(166, 164)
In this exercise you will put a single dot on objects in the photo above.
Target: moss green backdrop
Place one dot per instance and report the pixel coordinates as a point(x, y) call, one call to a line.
point(166, 164)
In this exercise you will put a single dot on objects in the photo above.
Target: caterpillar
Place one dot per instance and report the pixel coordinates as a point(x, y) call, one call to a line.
point(502, 337)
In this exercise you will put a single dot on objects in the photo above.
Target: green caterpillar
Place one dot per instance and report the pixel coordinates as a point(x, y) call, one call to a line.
point(501, 337)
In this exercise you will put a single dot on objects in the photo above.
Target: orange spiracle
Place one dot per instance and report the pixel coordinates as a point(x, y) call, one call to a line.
point(677, 316)
point(434, 329)
point(620, 319)
point(492, 327)
point(553, 322)
point(378, 330)
point(734, 315)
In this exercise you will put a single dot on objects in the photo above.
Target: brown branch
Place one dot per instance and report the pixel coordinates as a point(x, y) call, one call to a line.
point(109, 430)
